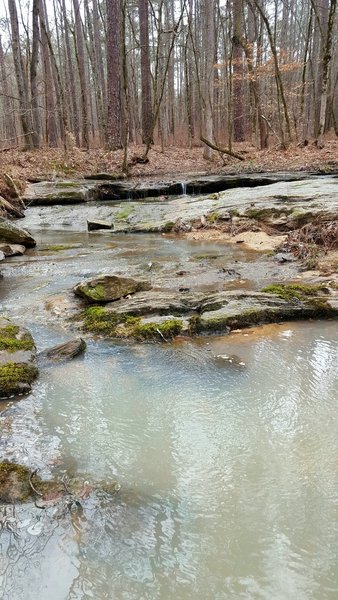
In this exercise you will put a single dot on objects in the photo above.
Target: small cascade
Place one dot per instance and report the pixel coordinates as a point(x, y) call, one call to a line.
point(183, 186)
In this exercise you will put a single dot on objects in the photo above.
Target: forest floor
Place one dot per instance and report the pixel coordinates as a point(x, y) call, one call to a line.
point(55, 163)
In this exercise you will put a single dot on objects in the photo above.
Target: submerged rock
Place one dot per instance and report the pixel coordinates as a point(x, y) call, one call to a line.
point(10, 232)
point(18, 367)
point(66, 351)
point(228, 360)
point(106, 288)
point(20, 484)
point(14, 483)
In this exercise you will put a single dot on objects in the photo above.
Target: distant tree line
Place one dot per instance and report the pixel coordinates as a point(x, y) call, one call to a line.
point(105, 73)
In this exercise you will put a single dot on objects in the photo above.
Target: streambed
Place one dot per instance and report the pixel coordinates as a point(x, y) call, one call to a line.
point(225, 447)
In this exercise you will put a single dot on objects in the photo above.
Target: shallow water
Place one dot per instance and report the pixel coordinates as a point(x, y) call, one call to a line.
point(228, 473)
point(226, 450)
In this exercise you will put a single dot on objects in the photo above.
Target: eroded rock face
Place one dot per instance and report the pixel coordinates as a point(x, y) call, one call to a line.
point(18, 367)
point(10, 232)
point(65, 351)
point(107, 288)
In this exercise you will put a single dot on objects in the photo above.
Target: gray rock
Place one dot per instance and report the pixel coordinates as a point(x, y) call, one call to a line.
point(106, 288)
point(18, 367)
point(96, 225)
point(211, 313)
point(2, 256)
point(10, 232)
point(60, 192)
point(12, 249)
point(66, 351)
point(157, 303)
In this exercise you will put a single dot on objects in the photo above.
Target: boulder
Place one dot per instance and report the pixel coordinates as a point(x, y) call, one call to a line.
point(107, 288)
point(65, 351)
point(10, 232)
point(12, 249)
point(18, 367)
point(96, 225)
point(2, 256)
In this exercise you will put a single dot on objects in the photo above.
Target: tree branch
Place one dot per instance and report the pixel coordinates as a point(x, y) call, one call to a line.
point(221, 150)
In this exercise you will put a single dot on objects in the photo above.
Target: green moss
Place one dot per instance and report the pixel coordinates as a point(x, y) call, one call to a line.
point(168, 226)
point(261, 214)
point(300, 218)
point(58, 247)
point(213, 217)
point(206, 256)
point(216, 324)
point(100, 321)
point(124, 213)
point(168, 329)
point(9, 341)
point(96, 293)
point(13, 374)
point(195, 324)
point(287, 291)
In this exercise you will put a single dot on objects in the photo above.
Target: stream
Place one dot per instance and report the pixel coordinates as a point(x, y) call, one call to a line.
point(225, 447)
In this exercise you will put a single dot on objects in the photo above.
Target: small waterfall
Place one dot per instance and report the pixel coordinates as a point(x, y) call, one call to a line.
point(183, 186)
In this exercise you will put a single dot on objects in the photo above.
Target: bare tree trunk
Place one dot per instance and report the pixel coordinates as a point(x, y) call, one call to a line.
point(237, 63)
point(34, 74)
point(8, 102)
point(82, 72)
point(51, 127)
point(146, 103)
point(325, 76)
point(209, 43)
point(71, 77)
point(114, 105)
point(278, 77)
point(20, 77)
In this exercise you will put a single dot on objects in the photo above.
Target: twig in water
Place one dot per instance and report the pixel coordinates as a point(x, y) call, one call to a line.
point(31, 483)
point(161, 335)
point(66, 486)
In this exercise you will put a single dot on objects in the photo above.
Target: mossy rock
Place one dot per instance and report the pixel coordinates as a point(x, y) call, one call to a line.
point(11, 233)
point(18, 367)
point(300, 291)
point(16, 378)
point(13, 339)
point(106, 322)
point(125, 212)
point(107, 288)
point(100, 321)
point(168, 227)
point(152, 330)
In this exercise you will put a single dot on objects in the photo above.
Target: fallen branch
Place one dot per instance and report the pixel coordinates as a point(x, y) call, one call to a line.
point(31, 483)
point(221, 150)
point(10, 208)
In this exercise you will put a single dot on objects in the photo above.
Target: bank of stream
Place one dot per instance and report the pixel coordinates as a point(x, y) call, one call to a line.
point(224, 446)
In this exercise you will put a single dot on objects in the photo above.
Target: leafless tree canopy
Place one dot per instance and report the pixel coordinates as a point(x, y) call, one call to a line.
point(108, 72)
